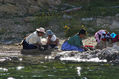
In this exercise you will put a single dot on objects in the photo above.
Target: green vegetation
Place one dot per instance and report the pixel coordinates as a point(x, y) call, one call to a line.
point(58, 70)
point(90, 8)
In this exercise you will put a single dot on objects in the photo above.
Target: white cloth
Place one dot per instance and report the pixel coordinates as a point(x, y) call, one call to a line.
point(33, 38)
point(53, 38)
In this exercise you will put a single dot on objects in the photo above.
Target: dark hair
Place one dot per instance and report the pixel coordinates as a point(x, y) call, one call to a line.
point(39, 32)
point(82, 31)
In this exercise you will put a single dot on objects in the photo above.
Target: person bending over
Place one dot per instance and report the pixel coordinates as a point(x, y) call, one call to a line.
point(75, 43)
point(33, 41)
point(52, 40)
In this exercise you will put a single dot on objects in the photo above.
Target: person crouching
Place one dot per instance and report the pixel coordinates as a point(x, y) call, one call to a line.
point(33, 41)
point(75, 43)
point(103, 39)
point(52, 40)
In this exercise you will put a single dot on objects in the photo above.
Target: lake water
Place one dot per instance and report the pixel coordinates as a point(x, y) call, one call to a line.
point(59, 70)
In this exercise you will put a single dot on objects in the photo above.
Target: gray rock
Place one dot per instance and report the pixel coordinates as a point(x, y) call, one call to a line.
point(9, 1)
point(33, 9)
point(106, 55)
point(111, 22)
point(49, 2)
point(67, 16)
point(29, 19)
point(9, 9)
point(109, 54)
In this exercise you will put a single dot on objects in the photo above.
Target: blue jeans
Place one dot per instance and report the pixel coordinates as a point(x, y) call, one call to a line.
point(28, 46)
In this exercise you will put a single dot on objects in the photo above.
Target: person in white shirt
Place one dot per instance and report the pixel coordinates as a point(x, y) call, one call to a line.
point(33, 41)
point(52, 40)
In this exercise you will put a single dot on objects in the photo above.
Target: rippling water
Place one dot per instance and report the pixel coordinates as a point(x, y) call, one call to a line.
point(59, 70)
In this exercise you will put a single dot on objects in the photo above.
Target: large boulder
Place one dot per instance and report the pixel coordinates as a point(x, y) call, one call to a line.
point(110, 54)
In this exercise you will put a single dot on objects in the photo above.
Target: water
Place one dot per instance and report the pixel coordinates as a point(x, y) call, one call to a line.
point(59, 70)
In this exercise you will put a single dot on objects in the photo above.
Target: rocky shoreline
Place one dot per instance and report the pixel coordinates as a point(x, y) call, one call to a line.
point(13, 54)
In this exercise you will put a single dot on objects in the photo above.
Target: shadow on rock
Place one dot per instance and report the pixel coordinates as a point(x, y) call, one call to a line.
point(36, 52)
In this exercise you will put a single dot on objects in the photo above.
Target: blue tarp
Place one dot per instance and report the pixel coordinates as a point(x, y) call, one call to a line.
point(67, 47)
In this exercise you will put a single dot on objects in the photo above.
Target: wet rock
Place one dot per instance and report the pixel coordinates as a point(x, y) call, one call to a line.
point(2, 59)
point(109, 53)
point(14, 58)
point(10, 59)
point(74, 56)
point(57, 58)
point(116, 46)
